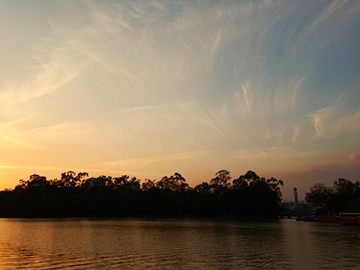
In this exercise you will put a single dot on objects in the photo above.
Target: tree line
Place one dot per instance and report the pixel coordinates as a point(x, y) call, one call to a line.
point(343, 196)
point(77, 194)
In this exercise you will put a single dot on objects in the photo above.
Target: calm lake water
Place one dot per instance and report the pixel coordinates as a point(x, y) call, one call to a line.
point(177, 244)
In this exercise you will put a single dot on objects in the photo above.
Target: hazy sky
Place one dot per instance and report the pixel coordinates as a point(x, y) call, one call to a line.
point(150, 88)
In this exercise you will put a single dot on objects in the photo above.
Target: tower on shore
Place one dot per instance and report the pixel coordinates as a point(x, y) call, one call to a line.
point(296, 198)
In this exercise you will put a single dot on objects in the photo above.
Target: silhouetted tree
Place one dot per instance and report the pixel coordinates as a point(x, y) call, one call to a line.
point(319, 196)
point(221, 181)
point(148, 184)
point(343, 196)
point(253, 195)
point(77, 194)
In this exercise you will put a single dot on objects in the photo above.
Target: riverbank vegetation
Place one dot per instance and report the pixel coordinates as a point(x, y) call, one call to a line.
point(79, 195)
point(343, 196)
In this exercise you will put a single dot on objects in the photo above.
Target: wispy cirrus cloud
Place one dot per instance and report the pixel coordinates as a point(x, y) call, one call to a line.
point(44, 138)
point(334, 121)
point(279, 152)
point(335, 10)
point(137, 83)
point(143, 162)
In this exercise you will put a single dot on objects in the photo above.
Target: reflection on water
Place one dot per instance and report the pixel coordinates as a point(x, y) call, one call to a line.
point(176, 244)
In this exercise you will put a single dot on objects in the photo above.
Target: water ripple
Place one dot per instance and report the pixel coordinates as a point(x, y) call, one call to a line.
point(175, 244)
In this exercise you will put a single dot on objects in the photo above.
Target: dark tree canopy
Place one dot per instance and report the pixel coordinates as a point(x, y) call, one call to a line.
point(343, 196)
point(80, 195)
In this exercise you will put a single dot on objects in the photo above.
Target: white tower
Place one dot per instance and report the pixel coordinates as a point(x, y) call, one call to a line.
point(296, 198)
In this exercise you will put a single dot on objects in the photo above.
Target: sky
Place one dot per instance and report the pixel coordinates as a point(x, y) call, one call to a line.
point(150, 88)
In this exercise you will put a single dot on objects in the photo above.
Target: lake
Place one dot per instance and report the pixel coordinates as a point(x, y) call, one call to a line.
point(177, 244)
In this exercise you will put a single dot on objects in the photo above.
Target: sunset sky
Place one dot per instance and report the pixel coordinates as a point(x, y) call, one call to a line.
point(150, 88)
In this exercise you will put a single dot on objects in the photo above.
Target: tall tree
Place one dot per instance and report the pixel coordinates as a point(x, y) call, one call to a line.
point(221, 182)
